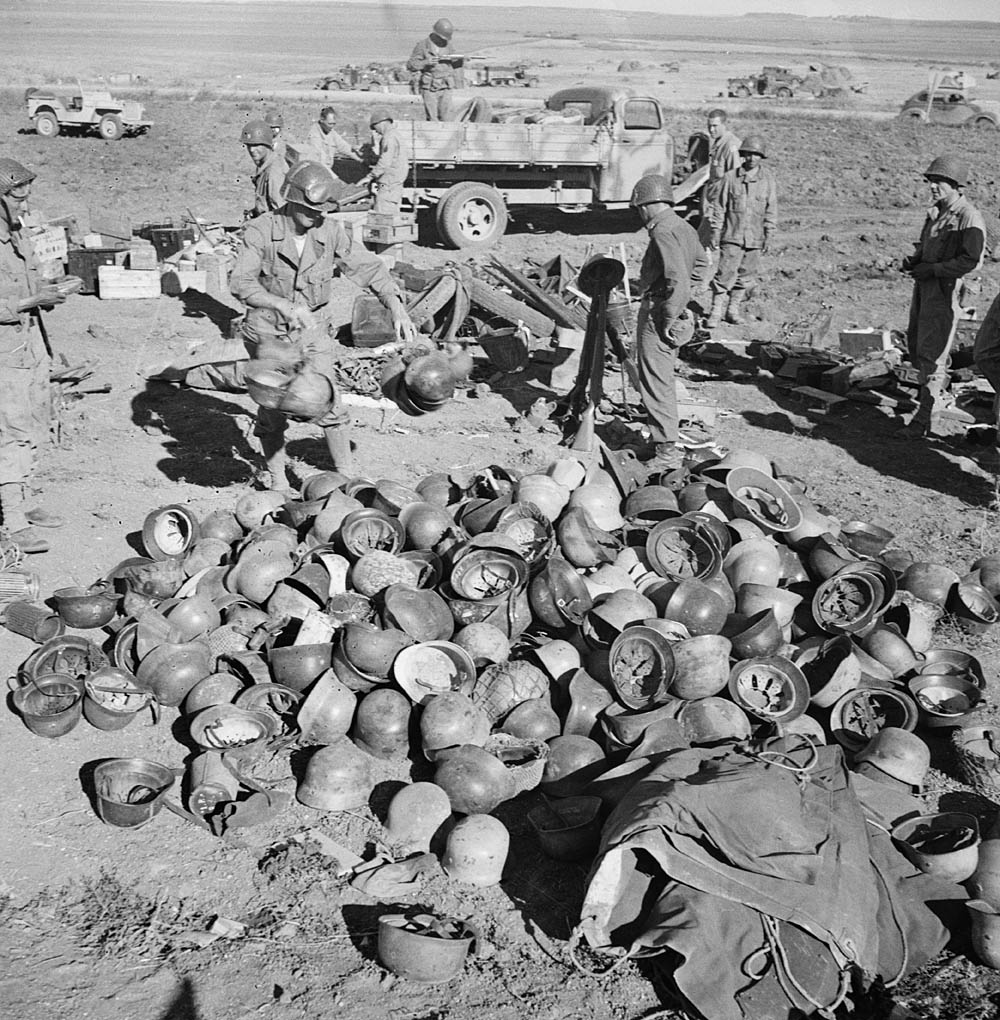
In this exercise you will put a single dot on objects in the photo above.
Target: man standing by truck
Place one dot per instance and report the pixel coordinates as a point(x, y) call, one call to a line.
point(665, 324)
point(324, 143)
point(432, 61)
point(387, 176)
point(951, 245)
point(25, 399)
point(742, 219)
point(723, 156)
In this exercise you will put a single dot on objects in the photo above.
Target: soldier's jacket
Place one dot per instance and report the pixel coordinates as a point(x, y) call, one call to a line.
point(267, 181)
point(434, 78)
point(952, 240)
point(392, 166)
point(18, 280)
point(723, 156)
point(268, 263)
point(672, 257)
point(746, 209)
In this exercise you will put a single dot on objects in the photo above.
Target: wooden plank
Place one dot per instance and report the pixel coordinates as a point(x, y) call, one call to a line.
point(116, 284)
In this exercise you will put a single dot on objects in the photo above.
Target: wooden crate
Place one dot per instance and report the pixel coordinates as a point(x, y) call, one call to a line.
point(117, 284)
point(389, 229)
point(142, 256)
point(50, 244)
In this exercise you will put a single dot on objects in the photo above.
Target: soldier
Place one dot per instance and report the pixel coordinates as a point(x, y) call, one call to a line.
point(665, 324)
point(276, 123)
point(25, 400)
point(269, 168)
point(431, 60)
point(324, 143)
point(283, 274)
point(387, 176)
point(723, 156)
point(742, 219)
point(951, 245)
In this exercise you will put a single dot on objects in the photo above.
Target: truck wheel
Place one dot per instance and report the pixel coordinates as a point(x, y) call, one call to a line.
point(783, 93)
point(532, 83)
point(110, 127)
point(471, 215)
point(742, 92)
point(46, 125)
point(502, 305)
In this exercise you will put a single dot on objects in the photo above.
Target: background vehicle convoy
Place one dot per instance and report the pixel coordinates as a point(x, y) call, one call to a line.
point(772, 81)
point(585, 150)
point(353, 76)
point(504, 74)
point(951, 106)
point(54, 108)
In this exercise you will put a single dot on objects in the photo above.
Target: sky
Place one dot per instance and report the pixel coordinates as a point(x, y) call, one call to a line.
point(944, 10)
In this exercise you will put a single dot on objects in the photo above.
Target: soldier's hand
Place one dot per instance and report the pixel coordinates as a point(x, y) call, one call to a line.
point(406, 332)
point(301, 318)
point(922, 271)
point(47, 296)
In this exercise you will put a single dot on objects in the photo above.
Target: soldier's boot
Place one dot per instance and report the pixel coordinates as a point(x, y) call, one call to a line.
point(15, 521)
point(734, 313)
point(718, 307)
point(338, 442)
point(274, 474)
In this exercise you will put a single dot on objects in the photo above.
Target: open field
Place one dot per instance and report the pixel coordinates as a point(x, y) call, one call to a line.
point(93, 917)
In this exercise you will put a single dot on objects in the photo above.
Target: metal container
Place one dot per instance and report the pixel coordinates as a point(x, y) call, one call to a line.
point(32, 621)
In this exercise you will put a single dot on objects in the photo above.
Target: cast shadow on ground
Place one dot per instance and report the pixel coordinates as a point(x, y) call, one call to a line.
point(183, 1005)
point(198, 305)
point(206, 447)
point(876, 442)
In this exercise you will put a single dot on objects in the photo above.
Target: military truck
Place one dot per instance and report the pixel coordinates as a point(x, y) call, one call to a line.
point(584, 150)
point(772, 81)
point(504, 74)
point(53, 108)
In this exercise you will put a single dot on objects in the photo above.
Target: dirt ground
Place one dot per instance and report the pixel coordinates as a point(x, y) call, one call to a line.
point(97, 922)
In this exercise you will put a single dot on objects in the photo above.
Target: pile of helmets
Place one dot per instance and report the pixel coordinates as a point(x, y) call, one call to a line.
point(559, 629)
point(424, 382)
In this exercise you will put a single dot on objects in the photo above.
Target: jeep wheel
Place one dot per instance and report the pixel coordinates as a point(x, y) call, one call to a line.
point(110, 127)
point(985, 124)
point(783, 93)
point(333, 85)
point(471, 215)
point(46, 125)
point(742, 92)
point(913, 115)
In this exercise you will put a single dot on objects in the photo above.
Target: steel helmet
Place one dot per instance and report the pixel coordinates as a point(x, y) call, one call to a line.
point(651, 188)
point(476, 781)
point(13, 175)
point(312, 185)
point(503, 686)
point(379, 114)
point(415, 815)
point(338, 777)
point(754, 143)
point(486, 644)
point(951, 168)
point(898, 753)
point(382, 724)
point(533, 719)
point(449, 720)
point(443, 28)
point(257, 132)
point(273, 117)
point(476, 851)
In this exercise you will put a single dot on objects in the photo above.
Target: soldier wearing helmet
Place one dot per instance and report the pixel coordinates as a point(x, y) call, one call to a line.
point(24, 363)
point(283, 274)
point(269, 167)
point(951, 245)
point(434, 62)
point(665, 324)
point(387, 176)
point(742, 218)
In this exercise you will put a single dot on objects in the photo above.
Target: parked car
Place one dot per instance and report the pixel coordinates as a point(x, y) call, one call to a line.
point(53, 108)
point(772, 81)
point(951, 106)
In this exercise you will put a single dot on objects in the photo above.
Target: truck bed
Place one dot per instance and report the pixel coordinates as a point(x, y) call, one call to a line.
point(434, 143)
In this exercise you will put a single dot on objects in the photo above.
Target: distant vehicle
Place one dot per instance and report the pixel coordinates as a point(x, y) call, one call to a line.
point(504, 74)
point(951, 106)
point(54, 108)
point(772, 81)
point(364, 79)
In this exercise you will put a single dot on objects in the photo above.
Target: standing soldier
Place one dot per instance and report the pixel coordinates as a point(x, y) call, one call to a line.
point(283, 274)
point(387, 176)
point(269, 168)
point(951, 244)
point(431, 60)
point(742, 220)
point(25, 400)
point(324, 143)
point(276, 123)
point(723, 156)
point(664, 325)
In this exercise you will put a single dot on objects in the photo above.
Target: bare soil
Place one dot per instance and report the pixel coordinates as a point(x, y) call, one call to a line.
point(96, 922)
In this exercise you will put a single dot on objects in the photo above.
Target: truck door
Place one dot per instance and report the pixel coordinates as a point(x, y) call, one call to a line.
point(640, 145)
